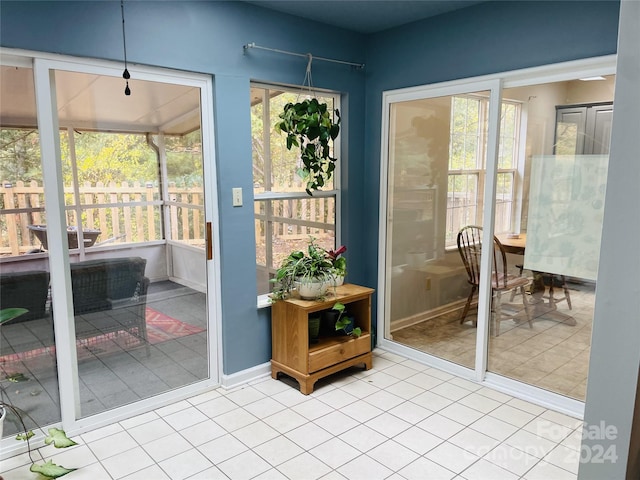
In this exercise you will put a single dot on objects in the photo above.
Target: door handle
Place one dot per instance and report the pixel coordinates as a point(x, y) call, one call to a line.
point(209, 242)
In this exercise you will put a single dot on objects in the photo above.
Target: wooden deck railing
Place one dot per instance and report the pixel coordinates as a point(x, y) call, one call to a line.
point(127, 213)
point(123, 213)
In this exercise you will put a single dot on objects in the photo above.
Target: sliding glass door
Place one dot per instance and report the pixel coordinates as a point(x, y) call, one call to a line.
point(437, 171)
point(525, 160)
point(109, 244)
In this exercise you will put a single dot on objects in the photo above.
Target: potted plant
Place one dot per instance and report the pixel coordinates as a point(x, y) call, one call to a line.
point(345, 322)
point(56, 436)
point(309, 272)
point(309, 125)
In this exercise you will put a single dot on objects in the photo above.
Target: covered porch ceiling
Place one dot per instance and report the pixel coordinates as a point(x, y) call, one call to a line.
point(97, 102)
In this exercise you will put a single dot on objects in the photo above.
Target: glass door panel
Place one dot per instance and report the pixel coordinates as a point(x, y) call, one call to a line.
point(552, 238)
point(28, 374)
point(134, 203)
point(437, 160)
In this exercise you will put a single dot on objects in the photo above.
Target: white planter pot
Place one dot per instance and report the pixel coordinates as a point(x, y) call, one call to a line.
point(337, 280)
point(309, 290)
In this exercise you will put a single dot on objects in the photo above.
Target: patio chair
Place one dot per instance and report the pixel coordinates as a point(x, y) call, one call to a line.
point(470, 248)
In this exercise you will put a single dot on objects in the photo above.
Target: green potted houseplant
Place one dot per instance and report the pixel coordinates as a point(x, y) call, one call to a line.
point(310, 273)
point(309, 125)
point(343, 322)
point(56, 436)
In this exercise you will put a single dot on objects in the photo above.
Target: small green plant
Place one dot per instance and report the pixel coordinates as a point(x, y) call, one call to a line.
point(309, 125)
point(56, 437)
point(345, 323)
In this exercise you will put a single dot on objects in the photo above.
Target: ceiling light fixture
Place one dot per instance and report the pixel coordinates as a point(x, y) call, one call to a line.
point(591, 79)
point(125, 74)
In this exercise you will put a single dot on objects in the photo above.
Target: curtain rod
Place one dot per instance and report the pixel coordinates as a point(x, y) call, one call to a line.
point(305, 55)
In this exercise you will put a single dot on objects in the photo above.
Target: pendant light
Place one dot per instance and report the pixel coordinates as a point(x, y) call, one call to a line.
point(125, 74)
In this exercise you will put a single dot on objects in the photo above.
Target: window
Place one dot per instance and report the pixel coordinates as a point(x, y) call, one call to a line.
point(467, 163)
point(285, 216)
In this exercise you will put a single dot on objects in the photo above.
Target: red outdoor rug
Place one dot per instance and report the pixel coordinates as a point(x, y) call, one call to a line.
point(160, 328)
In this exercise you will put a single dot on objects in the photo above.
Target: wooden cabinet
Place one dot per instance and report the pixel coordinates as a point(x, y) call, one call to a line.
point(307, 363)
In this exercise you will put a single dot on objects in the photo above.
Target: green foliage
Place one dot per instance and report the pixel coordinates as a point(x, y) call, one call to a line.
point(17, 377)
point(345, 323)
point(7, 314)
point(109, 157)
point(25, 435)
point(58, 438)
point(314, 265)
point(184, 159)
point(50, 469)
point(309, 126)
point(102, 157)
point(340, 266)
point(20, 155)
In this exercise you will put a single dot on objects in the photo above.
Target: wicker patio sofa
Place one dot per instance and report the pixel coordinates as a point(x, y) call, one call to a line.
point(109, 295)
point(27, 290)
point(115, 287)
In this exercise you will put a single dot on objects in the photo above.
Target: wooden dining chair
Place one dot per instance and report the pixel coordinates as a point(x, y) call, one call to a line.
point(470, 248)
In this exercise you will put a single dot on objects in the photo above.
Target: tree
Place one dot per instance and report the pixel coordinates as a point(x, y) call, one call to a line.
point(20, 155)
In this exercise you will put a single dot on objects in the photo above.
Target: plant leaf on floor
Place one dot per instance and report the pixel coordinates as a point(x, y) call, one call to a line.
point(17, 377)
point(50, 469)
point(59, 439)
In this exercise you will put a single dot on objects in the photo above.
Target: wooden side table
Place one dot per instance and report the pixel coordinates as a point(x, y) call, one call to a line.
point(307, 363)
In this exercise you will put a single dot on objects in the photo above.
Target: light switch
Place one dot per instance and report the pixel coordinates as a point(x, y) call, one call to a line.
point(237, 196)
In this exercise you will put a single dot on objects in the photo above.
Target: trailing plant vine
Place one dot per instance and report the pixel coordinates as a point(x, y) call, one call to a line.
point(309, 125)
point(55, 437)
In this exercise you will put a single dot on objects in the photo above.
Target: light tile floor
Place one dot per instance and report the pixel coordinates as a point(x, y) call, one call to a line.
point(552, 354)
point(399, 420)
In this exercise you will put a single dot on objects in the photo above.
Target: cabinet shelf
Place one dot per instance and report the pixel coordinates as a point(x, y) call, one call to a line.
point(294, 356)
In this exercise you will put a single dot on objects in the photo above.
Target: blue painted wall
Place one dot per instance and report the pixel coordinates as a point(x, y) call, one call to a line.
point(207, 37)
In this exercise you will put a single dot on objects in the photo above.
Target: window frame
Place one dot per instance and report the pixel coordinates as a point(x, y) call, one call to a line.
point(480, 171)
point(267, 217)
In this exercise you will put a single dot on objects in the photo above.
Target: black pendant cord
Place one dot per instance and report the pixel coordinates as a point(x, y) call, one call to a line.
point(125, 74)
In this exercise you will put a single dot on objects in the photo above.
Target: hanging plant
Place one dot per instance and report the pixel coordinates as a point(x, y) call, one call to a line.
point(309, 125)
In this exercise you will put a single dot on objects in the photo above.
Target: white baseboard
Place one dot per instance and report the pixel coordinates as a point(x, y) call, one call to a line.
point(428, 315)
point(245, 376)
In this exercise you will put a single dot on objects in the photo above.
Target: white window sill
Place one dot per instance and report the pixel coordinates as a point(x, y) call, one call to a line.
point(264, 301)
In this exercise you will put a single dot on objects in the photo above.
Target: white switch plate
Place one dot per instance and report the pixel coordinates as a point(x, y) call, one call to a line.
point(237, 196)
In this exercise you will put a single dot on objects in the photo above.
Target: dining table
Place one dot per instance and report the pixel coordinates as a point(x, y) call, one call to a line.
point(515, 243)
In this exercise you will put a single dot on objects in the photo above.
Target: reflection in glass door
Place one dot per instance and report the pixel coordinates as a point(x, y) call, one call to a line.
point(132, 169)
point(436, 179)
